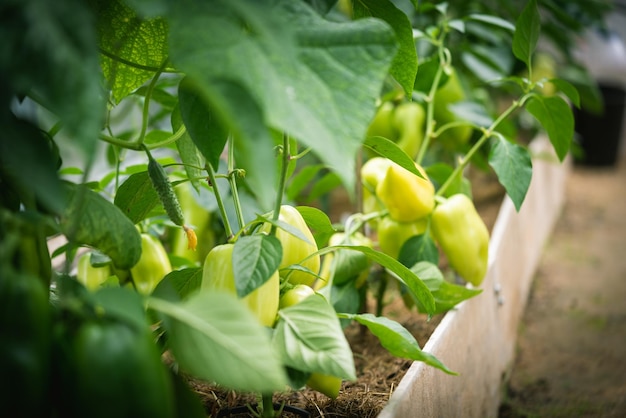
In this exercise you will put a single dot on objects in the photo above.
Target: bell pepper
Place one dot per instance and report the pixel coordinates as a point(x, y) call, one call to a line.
point(462, 236)
point(373, 172)
point(296, 250)
point(218, 274)
point(348, 264)
point(25, 324)
point(408, 120)
point(393, 234)
point(450, 93)
point(381, 125)
point(295, 295)
point(111, 369)
point(91, 276)
point(406, 196)
point(326, 384)
point(402, 124)
point(152, 266)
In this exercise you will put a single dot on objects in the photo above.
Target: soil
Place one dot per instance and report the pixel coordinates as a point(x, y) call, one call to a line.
point(570, 360)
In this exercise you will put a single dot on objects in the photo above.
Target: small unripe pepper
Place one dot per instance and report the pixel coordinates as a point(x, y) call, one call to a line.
point(218, 274)
point(406, 196)
point(296, 250)
point(393, 234)
point(153, 265)
point(408, 119)
point(92, 277)
point(463, 237)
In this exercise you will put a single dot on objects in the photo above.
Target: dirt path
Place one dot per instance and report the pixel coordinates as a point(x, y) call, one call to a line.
point(571, 356)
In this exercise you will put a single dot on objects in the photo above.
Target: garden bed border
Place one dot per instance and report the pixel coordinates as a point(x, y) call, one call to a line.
point(477, 339)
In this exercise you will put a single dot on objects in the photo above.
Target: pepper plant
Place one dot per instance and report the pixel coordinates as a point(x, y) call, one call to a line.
point(164, 145)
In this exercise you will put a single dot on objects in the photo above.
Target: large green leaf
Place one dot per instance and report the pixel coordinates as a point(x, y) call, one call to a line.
point(389, 149)
point(404, 65)
point(188, 151)
point(214, 336)
point(447, 295)
point(179, 284)
point(513, 166)
point(318, 222)
point(136, 197)
point(28, 166)
point(526, 35)
point(400, 272)
point(396, 339)
point(132, 48)
point(91, 219)
point(309, 338)
point(255, 259)
point(419, 248)
point(201, 122)
point(49, 49)
point(301, 71)
point(556, 117)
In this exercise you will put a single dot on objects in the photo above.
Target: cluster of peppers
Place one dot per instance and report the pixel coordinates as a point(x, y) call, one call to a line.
point(413, 209)
point(265, 301)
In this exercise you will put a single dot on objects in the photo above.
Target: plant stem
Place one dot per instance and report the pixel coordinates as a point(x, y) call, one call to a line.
point(282, 181)
point(485, 136)
point(146, 103)
point(233, 182)
point(220, 201)
point(430, 107)
point(268, 405)
point(136, 146)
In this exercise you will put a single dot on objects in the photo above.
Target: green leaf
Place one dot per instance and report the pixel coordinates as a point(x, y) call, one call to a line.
point(27, 166)
point(439, 174)
point(302, 179)
point(568, 89)
point(419, 248)
point(318, 222)
point(447, 295)
point(202, 124)
point(472, 112)
point(136, 197)
point(526, 34)
point(327, 183)
point(309, 338)
point(92, 220)
point(426, 75)
point(190, 155)
point(122, 303)
point(132, 48)
point(404, 65)
point(184, 283)
point(492, 20)
point(388, 149)
point(557, 119)
point(513, 166)
point(215, 337)
point(400, 272)
point(300, 71)
point(49, 49)
point(255, 259)
point(396, 339)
